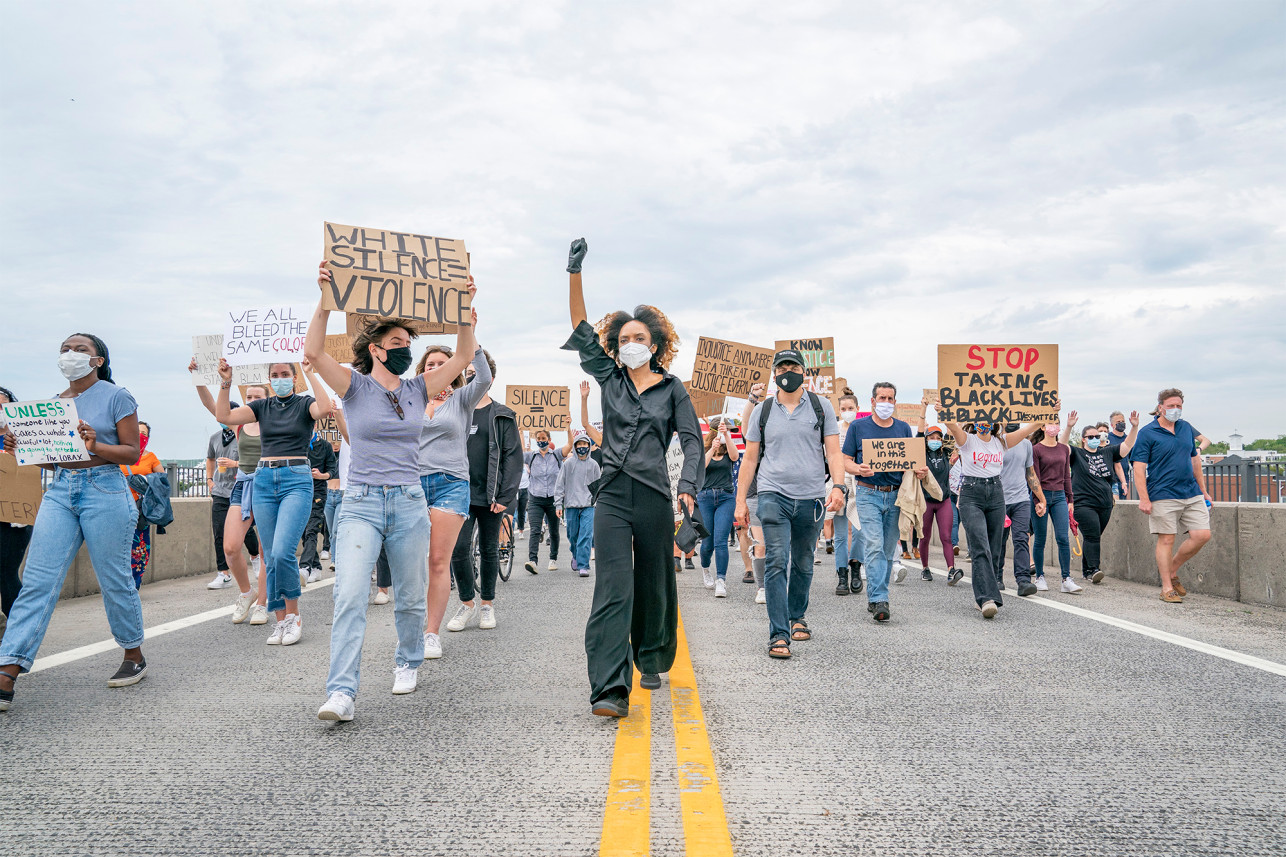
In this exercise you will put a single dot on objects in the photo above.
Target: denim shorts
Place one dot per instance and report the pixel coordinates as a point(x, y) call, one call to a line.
point(242, 491)
point(447, 493)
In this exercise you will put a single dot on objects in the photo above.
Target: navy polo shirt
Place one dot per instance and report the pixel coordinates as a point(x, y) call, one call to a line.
point(1168, 457)
point(860, 430)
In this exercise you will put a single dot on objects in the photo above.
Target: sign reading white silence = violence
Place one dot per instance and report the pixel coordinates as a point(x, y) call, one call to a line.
point(45, 431)
point(391, 274)
point(271, 334)
point(998, 383)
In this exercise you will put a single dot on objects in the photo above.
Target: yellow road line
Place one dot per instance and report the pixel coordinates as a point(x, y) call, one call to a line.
point(626, 820)
point(705, 827)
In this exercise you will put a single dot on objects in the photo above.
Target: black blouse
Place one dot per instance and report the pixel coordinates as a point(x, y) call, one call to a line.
point(637, 429)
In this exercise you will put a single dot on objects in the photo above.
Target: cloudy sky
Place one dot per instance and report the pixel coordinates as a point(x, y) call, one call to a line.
point(1108, 177)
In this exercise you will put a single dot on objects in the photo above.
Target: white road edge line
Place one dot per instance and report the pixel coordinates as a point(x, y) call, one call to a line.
point(1164, 636)
point(82, 652)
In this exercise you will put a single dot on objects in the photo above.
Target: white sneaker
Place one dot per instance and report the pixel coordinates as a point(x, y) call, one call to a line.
point(720, 588)
point(222, 580)
point(274, 639)
point(584, 572)
point(303, 578)
point(1041, 585)
point(324, 554)
point(553, 565)
point(381, 597)
point(314, 575)
point(259, 615)
point(432, 647)
point(899, 572)
point(338, 707)
point(293, 629)
point(486, 617)
point(707, 577)
point(464, 614)
point(761, 597)
point(404, 680)
point(241, 609)
point(1070, 586)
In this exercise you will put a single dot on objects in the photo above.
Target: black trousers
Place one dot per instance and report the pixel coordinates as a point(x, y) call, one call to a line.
point(982, 512)
point(218, 517)
point(488, 523)
point(316, 520)
point(542, 509)
point(13, 545)
point(1093, 521)
point(520, 519)
point(636, 605)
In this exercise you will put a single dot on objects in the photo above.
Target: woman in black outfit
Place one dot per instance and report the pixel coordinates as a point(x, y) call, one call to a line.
point(13, 545)
point(636, 608)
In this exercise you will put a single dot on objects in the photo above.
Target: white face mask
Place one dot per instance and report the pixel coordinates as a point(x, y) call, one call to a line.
point(74, 365)
point(635, 354)
point(848, 416)
point(1173, 414)
point(884, 410)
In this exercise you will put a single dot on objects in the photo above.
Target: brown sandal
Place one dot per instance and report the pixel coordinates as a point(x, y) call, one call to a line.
point(779, 649)
point(1170, 596)
point(799, 632)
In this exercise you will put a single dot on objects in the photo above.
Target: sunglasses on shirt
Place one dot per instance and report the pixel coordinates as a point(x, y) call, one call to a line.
point(396, 406)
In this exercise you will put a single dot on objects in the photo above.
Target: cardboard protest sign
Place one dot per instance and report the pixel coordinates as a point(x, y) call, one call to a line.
point(704, 404)
point(539, 408)
point(328, 427)
point(45, 430)
point(998, 383)
point(340, 347)
point(837, 389)
point(931, 394)
point(819, 362)
point(207, 350)
point(890, 454)
point(725, 368)
point(20, 492)
point(271, 334)
point(391, 274)
point(907, 412)
point(354, 324)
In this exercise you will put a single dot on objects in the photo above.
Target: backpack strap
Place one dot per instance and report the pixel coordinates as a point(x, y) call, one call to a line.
point(766, 411)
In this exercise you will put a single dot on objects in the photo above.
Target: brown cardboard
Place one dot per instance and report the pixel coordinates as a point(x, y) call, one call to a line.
point(726, 368)
point(538, 407)
point(890, 454)
point(998, 383)
point(20, 492)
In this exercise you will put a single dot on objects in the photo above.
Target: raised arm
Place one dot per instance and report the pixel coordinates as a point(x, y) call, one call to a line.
point(1065, 435)
point(240, 416)
point(322, 404)
point(594, 434)
point(336, 376)
point(342, 423)
point(437, 380)
point(1012, 440)
point(1128, 443)
point(958, 433)
point(576, 296)
point(203, 392)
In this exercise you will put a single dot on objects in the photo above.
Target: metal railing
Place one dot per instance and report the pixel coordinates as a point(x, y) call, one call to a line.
point(1234, 479)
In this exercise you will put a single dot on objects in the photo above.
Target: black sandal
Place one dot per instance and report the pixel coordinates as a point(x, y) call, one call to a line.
point(800, 627)
point(775, 646)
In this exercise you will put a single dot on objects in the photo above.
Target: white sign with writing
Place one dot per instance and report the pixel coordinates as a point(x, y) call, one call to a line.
point(46, 431)
point(207, 350)
point(265, 334)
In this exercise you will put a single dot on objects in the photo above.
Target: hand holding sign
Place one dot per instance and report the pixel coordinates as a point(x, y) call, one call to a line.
point(46, 432)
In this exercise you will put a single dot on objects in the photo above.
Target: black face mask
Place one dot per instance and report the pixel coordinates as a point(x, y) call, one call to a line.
point(1010, 428)
point(397, 360)
point(790, 381)
point(582, 452)
point(1120, 426)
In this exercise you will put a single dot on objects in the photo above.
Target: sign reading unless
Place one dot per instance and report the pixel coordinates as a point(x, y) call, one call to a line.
point(207, 350)
point(725, 368)
point(402, 275)
point(271, 334)
point(538, 408)
point(998, 383)
point(819, 362)
point(45, 431)
point(20, 493)
point(891, 454)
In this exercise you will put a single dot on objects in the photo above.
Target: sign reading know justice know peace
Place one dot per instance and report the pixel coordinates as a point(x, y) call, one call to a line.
point(538, 408)
point(890, 454)
point(819, 362)
point(387, 274)
point(998, 383)
point(726, 368)
point(46, 431)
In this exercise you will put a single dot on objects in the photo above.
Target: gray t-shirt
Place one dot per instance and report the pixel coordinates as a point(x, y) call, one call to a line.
point(1013, 473)
point(444, 439)
point(384, 445)
point(794, 463)
point(217, 449)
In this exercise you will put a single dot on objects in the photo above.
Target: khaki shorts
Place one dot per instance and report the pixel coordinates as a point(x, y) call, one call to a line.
point(1170, 517)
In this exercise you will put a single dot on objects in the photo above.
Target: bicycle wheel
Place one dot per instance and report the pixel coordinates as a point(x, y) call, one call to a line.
point(506, 547)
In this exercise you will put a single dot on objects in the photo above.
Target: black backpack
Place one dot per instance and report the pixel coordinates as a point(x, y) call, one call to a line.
point(765, 412)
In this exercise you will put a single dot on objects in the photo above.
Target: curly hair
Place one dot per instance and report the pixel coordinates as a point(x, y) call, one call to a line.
point(456, 383)
point(372, 335)
point(658, 327)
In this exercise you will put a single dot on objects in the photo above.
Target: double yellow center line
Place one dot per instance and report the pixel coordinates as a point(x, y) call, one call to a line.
point(627, 816)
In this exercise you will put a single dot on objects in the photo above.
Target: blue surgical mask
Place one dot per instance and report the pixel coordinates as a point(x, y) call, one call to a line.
point(935, 445)
point(283, 386)
point(1092, 443)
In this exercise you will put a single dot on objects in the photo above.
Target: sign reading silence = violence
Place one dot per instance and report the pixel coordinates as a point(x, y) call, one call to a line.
point(998, 383)
point(536, 408)
point(388, 274)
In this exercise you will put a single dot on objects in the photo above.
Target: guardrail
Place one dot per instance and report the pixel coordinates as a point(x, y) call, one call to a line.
point(1234, 479)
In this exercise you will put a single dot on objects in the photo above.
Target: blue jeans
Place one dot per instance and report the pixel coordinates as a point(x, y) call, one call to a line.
point(844, 531)
point(717, 507)
point(396, 519)
point(334, 499)
point(580, 532)
point(955, 520)
point(878, 513)
point(1056, 508)
point(283, 500)
point(790, 537)
point(93, 506)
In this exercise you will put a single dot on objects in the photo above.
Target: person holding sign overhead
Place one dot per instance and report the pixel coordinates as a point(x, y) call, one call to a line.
point(636, 608)
point(384, 506)
point(88, 502)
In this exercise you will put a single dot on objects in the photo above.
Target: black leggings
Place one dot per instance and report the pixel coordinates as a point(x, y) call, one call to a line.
point(218, 517)
point(542, 509)
point(1093, 521)
point(521, 520)
point(488, 547)
point(13, 545)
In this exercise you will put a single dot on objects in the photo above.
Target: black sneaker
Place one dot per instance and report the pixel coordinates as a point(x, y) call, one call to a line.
point(842, 587)
point(830, 545)
point(926, 575)
point(880, 610)
point(748, 577)
point(678, 565)
point(131, 672)
point(1025, 589)
point(530, 565)
point(687, 563)
point(855, 582)
point(6, 697)
point(1096, 576)
point(613, 705)
point(954, 576)
point(650, 681)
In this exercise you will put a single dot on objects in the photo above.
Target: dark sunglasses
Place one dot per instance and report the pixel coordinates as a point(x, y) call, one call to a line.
point(397, 407)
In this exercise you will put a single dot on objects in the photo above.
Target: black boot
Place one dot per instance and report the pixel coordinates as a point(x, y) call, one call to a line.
point(842, 587)
point(855, 582)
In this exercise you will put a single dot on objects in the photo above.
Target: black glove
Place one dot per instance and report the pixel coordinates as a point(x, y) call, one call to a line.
point(576, 255)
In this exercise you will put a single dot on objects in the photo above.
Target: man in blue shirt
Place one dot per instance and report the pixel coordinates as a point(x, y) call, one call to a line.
point(1172, 489)
point(876, 496)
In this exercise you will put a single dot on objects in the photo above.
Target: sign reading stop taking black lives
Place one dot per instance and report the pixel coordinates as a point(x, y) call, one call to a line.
point(891, 454)
point(998, 383)
point(726, 368)
point(388, 274)
point(536, 408)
